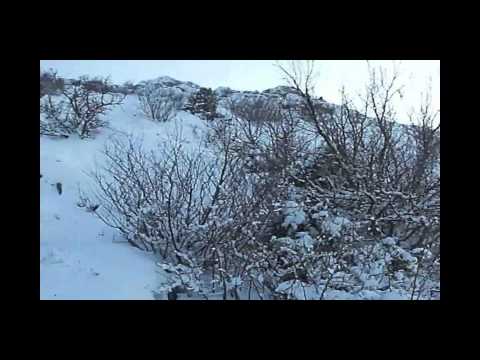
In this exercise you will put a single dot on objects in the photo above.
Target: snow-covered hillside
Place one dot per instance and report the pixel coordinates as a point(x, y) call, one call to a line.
point(83, 258)
point(80, 257)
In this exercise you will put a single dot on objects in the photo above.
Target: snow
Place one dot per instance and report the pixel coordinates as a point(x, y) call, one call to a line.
point(299, 291)
point(390, 241)
point(80, 257)
point(294, 215)
point(335, 224)
point(305, 240)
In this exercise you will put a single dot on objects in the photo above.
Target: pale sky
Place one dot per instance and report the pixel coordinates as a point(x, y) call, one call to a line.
point(260, 74)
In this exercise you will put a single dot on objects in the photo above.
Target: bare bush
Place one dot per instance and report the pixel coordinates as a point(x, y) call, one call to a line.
point(58, 117)
point(50, 83)
point(256, 110)
point(78, 108)
point(267, 138)
point(200, 211)
point(288, 208)
point(381, 174)
point(159, 104)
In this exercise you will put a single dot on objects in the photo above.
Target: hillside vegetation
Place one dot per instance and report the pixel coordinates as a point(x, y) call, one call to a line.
point(173, 191)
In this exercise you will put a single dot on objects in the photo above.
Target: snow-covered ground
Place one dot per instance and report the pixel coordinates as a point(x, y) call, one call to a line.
point(80, 257)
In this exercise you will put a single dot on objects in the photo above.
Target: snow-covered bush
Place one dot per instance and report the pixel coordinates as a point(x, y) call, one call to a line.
point(256, 110)
point(268, 148)
point(326, 253)
point(203, 103)
point(79, 108)
point(58, 119)
point(181, 279)
point(182, 205)
point(335, 204)
point(353, 197)
point(223, 91)
point(159, 103)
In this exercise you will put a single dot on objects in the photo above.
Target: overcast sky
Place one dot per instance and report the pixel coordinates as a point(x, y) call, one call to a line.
point(259, 74)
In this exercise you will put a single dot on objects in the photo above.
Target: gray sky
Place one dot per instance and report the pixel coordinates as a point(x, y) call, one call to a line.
point(259, 74)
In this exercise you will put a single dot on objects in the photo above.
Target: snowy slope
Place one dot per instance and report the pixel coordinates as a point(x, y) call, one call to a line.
point(80, 257)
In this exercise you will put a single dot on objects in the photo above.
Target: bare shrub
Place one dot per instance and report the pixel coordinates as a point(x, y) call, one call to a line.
point(200, 210)
point(384, 176)
point(287, 208)
point(159, 104)
point(78, 108)
point(269, 139)
point(58, 117)
point(50, 83)
point(256, 110)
